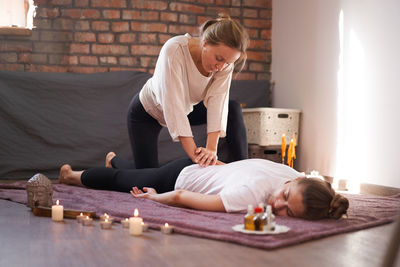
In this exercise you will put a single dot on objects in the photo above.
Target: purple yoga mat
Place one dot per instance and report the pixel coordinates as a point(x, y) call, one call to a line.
point(365, 211)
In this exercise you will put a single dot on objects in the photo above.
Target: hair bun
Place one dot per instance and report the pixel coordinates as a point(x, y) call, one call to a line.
point(338, 207)
point(223, 16)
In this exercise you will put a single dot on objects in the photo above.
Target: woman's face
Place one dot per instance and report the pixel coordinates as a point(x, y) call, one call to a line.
point(288, 200)
point(217, 57)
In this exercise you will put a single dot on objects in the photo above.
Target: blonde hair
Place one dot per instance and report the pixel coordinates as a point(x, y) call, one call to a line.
point(224, 30)
point(321, 201)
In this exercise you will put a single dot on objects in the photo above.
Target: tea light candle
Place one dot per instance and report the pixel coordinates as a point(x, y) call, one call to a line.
point(105, 216)
point(106, 224)
point(145, 227)
point(87, 221)
point(125, 223)
point(57, 212)
point(80, 217)
point(135, 224)
point(166, 229)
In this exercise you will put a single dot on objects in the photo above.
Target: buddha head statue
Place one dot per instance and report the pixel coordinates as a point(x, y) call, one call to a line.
point(40, 191)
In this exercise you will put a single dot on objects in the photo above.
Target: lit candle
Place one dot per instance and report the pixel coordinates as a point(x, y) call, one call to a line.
point(80, 217)
point(57, 212)
point(106, 224)
point(87, 221)
point(125, 223)
point(145, 227)
point(166, 229)
point(104, 216)
point(290, 153)
point(135, 224)
point(293, 151)
point(283, 148)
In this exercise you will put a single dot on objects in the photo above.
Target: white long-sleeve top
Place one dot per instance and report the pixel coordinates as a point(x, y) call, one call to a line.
point(177, 85)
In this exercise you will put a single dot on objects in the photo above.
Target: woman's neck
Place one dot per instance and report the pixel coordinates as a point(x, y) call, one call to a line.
point(195, 52)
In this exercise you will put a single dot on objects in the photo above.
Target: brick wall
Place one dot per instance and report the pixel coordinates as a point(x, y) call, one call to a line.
point(86, 36)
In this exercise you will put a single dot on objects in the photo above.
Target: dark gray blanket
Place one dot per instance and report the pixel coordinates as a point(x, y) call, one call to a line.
point(48, 119)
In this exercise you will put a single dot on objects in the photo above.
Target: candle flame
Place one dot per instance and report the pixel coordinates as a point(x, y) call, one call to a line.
point(106, 220)
point(87, 217)
point(126, 219)
point(136, 213)
point(142, 223)
point(81, 214)
point(57, 202)
point(166, 225)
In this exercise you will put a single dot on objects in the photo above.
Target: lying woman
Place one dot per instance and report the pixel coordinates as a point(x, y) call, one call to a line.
point(228, 188)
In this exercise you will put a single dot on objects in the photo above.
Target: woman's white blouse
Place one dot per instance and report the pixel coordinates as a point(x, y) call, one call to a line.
point(177, 85)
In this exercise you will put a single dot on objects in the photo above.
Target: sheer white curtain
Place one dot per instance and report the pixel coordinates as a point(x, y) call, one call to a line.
point(16, 13)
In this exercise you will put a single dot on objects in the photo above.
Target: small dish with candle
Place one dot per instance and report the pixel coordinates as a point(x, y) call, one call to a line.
point(125, 223)
point(106, 224)
point(80, 217)
point(87, 221)
point(167, 229)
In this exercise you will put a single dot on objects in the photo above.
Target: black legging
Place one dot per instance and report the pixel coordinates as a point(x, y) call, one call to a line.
point(144, 131)
point(162, 179)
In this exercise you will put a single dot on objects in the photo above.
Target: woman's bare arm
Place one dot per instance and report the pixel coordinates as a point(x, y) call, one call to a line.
point(182, 198)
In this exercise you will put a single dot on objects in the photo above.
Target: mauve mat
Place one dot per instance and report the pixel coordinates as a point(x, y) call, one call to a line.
point(365, 211)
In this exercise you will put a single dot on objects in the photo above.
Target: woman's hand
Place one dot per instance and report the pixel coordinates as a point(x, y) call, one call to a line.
point(205, 157)
point(148, 192)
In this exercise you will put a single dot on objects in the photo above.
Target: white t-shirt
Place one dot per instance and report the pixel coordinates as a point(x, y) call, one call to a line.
point(177, 85)
point(239, 183)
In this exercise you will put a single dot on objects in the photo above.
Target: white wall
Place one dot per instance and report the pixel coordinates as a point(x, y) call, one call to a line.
point(347, 91)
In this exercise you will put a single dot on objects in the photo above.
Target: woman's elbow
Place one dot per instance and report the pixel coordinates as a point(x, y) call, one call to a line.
point(177, 197)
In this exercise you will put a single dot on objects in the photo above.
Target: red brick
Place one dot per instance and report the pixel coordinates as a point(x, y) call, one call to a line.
point(61, 2)
point(105, 38)
point(91, 14)
point(140, 15)
point(168, 16)
point(108, 60)
point(82, 37)
point(189, 8)
point(79, 69)
point(62, 59)
point(127, 38)
point(126, 68)
point(164, 37)
point(148, 27)
point(100, 26)
point(71, 13)
point(188, 19)
point(181, 29)
point(82, 25)
point(109, 3)
point(148, 4)
point(150, 50)
point(81, 3)
point(62, 24)
point(258, 3)
point(266, 34)
point(51, 68)
point(12, 67)
point(111, 14)
point(51, 47)
point(120, 26)
point(128, 61)
point(266, 14)
point(264, 75)
point(223, 2)
point(245, 76)
point(88, 60)
point(42, 23)
point(149, 38)
point(80, 48)
point(10, 57)
point(253, 33)
point(214, 11)
point(250, 13)
point(256, 66)
point(258, 44)
point(110, 49)
point(41, 2)
point(257, 56)
point(49, 13)
point(202, 19)
point(55, 36)
point(148, 61)
point(236, 3)
point(39, 58)
point(25, 58)
point(17, 46)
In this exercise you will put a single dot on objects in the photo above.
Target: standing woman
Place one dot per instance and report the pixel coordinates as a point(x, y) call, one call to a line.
point(190, 86)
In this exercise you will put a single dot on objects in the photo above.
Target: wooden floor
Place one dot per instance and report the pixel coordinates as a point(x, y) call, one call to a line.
point(27, 240)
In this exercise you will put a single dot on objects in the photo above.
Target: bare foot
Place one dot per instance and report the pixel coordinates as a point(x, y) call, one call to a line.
point(68, 176)
point(109, 157)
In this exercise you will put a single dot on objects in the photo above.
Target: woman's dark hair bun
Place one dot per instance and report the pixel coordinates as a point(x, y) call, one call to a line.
point(338, 207)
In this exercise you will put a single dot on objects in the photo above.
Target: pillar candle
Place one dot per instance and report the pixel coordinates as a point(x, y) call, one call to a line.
point(57, 212)
point(135, 224)
point(290, 153)
point(283, 148)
